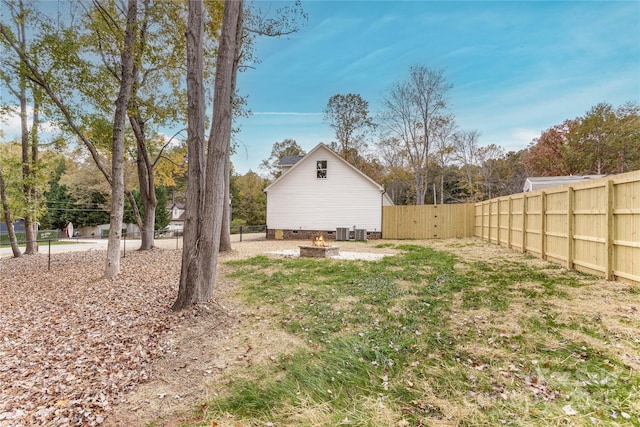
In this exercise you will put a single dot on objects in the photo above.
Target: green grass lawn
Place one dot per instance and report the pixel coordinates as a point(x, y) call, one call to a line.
point(427, 338)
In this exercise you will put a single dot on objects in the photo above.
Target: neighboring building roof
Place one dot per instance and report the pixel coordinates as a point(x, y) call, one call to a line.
point(538, 183)
point(181, 211)
point(176, 205)
point(289, 161)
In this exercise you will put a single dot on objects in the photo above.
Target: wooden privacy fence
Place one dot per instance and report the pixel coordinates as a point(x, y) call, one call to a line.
point(428, 221)
point(591, 226)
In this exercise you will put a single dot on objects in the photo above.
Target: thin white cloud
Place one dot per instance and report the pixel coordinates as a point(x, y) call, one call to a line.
point(365, 62)
point(12, 128)
point(523, 136)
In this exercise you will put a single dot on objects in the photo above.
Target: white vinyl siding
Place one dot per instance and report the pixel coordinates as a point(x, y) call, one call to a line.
point(300, 200)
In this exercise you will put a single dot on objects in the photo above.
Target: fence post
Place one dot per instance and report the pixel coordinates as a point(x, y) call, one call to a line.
point(510, 222)
point(608, 272)
point(498, 222)
point(241, 233)
point(570, 223)
point(484, 215)
point(49, 263)
point(543, 220)
point(524, 223)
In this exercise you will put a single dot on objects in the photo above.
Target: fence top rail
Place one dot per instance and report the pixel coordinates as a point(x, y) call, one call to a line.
point(556, 190)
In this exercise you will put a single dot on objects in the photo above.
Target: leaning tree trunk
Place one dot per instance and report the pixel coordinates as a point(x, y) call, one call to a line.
point(7, 218)
point(200, 252)
point(146, 180)
point(218, 146)
point(117, 151)
point(225, 234)
point(28, 183)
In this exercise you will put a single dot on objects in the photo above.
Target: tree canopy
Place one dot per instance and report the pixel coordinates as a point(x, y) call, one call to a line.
point(603, 141)
point(285, 148)
point(348, 115)
point(412, 110)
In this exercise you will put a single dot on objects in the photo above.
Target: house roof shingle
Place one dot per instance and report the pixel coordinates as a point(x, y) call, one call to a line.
point(289, 160)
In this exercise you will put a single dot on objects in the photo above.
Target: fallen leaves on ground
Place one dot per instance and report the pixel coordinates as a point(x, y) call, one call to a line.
point(71, 342)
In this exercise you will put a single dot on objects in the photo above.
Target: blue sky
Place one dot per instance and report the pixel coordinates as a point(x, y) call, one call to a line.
point(517, 67)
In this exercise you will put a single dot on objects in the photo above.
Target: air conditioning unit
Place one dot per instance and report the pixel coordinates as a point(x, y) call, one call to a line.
point(361, 234)
point(342, 234)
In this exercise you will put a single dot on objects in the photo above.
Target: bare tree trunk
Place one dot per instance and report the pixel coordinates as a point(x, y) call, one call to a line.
point(117, 151)
point(7, 218)
point(420, 185)
point(200, 252)
point(218, 145)
point(191, 269)
point(28, 183)
point(31, 190)
point(146, 179)
point(148, 199)
point(225, 232)
point(149, 224)
point(418, 189)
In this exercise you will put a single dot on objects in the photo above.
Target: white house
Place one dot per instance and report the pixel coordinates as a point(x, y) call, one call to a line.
point(176, 224)
point(321, 193)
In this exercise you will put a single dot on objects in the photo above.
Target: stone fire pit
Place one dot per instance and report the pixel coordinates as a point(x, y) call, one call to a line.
point(311, 251)
point(319, 249)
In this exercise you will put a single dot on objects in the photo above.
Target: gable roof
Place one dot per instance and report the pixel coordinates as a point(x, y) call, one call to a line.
point(176, 205)
point(334, 154)
point(540, 182)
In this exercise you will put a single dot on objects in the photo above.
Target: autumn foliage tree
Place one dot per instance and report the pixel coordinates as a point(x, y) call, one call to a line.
point(603, 141)
point(57, 71)
point(249, 199)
